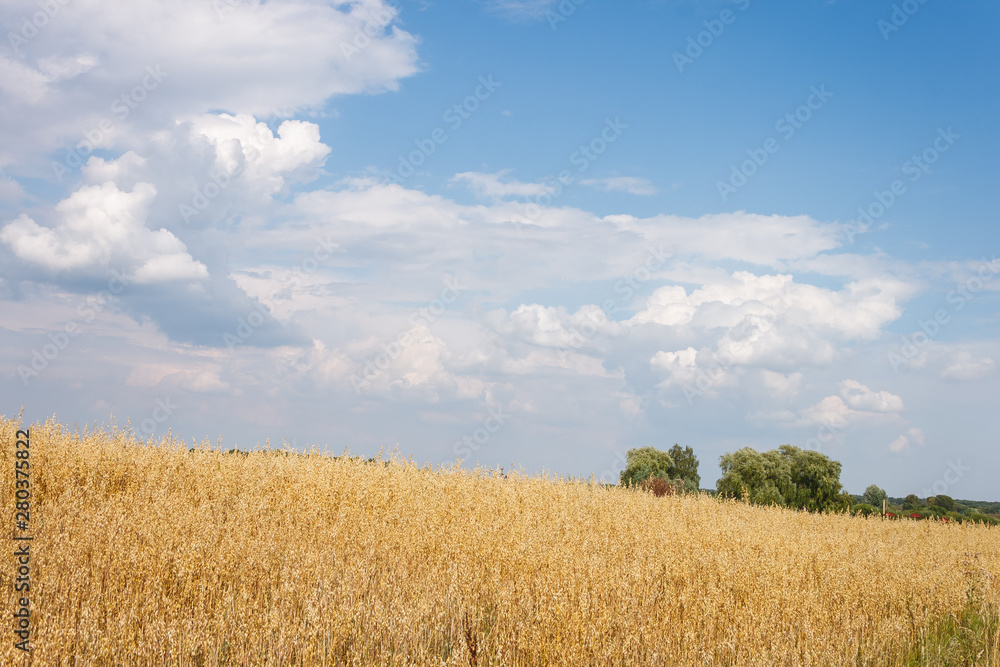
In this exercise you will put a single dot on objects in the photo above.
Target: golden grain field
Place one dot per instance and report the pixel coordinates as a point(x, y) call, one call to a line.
point(156, 555)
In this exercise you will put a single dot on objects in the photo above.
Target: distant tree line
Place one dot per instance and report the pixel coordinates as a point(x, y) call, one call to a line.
point(788, 477)
point(940, 506)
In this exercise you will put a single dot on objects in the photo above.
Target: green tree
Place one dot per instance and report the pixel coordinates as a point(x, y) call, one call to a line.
point(947, 502)
point(749, 471)
point(767, 495)
point(787, 476)
point(912, 502)
point(815, 481)
point(936, 510)
point(874, 496)
point(644, 463)
point(685, 467)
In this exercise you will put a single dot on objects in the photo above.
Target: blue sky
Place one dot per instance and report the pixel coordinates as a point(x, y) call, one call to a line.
point(640, 226)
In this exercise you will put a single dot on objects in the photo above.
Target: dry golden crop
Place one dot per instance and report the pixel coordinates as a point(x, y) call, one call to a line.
point(153, 555)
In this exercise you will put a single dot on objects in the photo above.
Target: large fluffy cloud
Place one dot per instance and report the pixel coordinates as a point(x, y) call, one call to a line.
point(767, 321)
point(860, 310)
point(101, 228)
point(151, 116)
point(267, 160)
point(132, 69)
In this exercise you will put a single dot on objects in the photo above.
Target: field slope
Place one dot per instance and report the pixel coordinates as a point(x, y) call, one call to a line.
point(160, 555)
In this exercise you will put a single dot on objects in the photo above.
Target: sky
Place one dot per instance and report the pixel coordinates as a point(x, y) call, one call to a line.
point(517, 233)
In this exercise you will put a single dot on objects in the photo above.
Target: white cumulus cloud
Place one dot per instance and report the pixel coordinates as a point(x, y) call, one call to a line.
point(249, 148)
point(267, 59)
point(102, 227)
point(772, 320)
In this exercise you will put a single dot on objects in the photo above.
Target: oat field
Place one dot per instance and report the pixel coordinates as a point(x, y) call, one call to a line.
point(151, 554)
